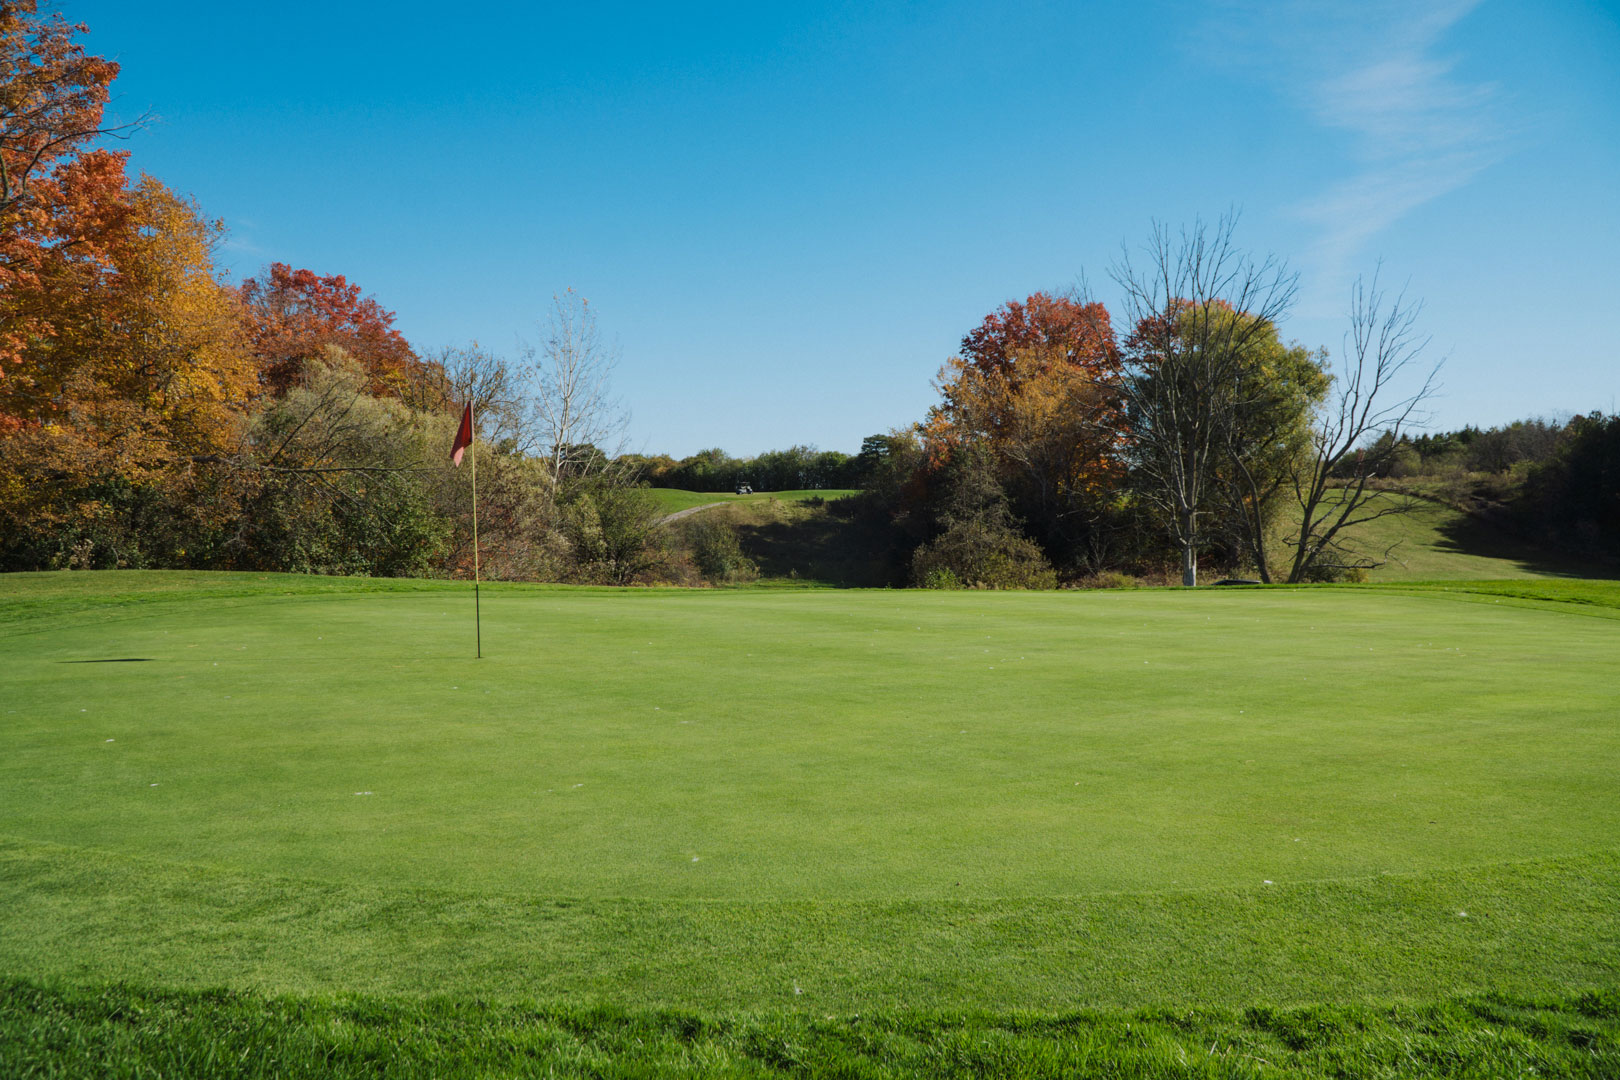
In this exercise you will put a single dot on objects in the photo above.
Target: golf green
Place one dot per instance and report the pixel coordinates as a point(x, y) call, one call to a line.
point(806, 747)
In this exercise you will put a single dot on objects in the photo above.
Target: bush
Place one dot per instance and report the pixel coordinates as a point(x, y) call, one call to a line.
point(341, 491)
point(1330, 572)
point(1109, 579)
point(977, 554)
point(712, 538)
point(615, 535)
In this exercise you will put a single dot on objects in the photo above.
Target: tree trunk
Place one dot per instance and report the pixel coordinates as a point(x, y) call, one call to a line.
point(1189, 552)
point(1257, 522)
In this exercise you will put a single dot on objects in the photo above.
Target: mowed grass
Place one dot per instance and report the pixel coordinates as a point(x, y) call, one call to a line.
point(779, 746)
point(1431, 541)
point(673, 499)
point(749, 803)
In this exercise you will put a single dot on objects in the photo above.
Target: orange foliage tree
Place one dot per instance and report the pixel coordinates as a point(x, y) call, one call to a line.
point(135, 380)
point(292, 315)
point(1035, 385)
point(52, 96)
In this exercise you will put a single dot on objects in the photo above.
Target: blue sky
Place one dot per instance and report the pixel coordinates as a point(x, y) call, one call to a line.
point(788, 215)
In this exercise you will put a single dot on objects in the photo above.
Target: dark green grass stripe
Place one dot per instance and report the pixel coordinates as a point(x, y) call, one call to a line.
point(1587, 597)
point(32, 602)
point(125, 1031)
point(1528, 928)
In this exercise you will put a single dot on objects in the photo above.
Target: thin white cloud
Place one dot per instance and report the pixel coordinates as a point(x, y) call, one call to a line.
point(1376, 71)
point(239, 239)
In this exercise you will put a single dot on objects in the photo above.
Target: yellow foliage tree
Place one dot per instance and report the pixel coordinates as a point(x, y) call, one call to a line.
point(137, 376)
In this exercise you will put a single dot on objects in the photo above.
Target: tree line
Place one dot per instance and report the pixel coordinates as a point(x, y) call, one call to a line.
point(798, 468)
point(152, 414)
point(1063, 448)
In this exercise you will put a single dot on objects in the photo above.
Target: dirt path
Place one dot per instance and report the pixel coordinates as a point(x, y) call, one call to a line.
point(677, 515)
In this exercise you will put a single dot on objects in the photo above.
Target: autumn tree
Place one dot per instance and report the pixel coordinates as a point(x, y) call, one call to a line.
point(1018, 342)
point(52, 95)
point(52, 100)
point(135, 390)
point(292, 315)
point(1035, 384)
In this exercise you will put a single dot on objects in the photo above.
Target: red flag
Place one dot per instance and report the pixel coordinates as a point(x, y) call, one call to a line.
point(463, 436)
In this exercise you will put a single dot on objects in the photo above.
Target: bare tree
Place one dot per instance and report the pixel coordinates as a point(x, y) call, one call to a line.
point(1196, 307)
point(578, 426)
point(1332, 486)
point(453, 377)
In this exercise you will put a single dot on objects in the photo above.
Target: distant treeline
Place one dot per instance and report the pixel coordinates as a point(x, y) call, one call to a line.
point(1473, 449)
point(1556, 482)
point(798, 468)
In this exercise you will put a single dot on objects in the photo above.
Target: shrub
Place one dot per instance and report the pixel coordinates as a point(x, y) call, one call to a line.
point(340, 490)
point(615, 535)
point(980, 554)
point(712, 538)
point(1331, 572)
point(1108, 579)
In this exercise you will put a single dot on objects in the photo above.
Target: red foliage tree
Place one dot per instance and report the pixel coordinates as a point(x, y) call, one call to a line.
point(1039, 340)
point(293, 314)
point(51, 95)
point(1052, 328)
point(51, 100)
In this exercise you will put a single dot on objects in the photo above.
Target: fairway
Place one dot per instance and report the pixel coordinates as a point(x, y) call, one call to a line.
point(720, 798)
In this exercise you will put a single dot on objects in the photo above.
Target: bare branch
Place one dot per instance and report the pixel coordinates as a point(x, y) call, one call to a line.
point(1380, 346)
point(576, 423)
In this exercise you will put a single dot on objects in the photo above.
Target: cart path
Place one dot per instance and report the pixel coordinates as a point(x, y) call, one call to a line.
point(677, 515)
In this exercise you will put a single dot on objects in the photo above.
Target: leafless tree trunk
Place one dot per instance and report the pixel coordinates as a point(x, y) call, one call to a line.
point(1332, 487)
point(578, 425)
point(1183, 359)
point(1247, 491)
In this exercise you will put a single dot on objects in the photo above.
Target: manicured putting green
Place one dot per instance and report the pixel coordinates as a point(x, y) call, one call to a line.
point(808, 746)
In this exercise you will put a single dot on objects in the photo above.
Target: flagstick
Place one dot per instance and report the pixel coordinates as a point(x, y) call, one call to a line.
point(472, 448)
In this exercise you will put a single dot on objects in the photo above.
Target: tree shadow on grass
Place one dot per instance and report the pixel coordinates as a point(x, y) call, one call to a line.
point(1467, 534)
point(820, 547)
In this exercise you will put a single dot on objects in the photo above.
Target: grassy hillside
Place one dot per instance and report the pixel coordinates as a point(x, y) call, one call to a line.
point(1433, 541)
point(797, 542)
point(673, 499)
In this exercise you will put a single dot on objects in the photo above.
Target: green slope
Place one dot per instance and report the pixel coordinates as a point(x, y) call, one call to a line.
point(673, 499)
point(1432, 541)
